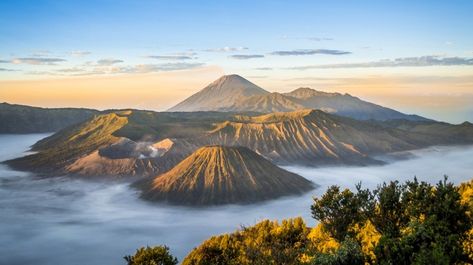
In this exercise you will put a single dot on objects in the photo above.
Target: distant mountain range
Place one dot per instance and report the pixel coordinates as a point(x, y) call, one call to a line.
point(217, 146)
point(221, 175)
point(235, 93)
point(230, 93)
point(146, 143)
point(26, 119)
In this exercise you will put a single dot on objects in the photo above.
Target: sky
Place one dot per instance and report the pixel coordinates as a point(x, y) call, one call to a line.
point(413, 56)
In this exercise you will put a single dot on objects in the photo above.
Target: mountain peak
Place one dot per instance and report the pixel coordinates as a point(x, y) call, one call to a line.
point(227, 78)
point(232, 81)
point(222, 174)
point(219, 94)
point(306, 92)
point(232, 76)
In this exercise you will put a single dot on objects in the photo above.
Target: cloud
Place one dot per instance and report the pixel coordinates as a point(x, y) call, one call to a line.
point(39, 73)
point(71, 70)
point(41, 53)
point(130, 69)
point(310, 52)
point(398, 62)
point(264, 68)
point(257, 76)
point(5, 61)
point(7, 70)
point(109, 61)
point(227, 49)
point(37, 61)
point(79, 53)
point(246, 56)
point(149, 68)
point(319, 39)
point(285, 37)
point(170, 57)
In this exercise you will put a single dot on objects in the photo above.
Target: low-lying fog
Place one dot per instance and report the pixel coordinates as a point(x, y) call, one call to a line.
point(69, 221)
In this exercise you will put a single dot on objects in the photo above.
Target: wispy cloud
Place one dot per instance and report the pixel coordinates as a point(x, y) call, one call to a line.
point(398, 62)
point(170, 57)
point(285, 37)
point(41, 53)
point(246, 56)
point(257, 76)
point(5, 61)
point(79, 53)
point(227, 49)
point(310, 52)
point(109, 61)
point(112, 69)
point(7, 70)
point(37, 61)
point(71, 70)
point(40, 73)
point(319, 39)
point(149, 68)
point(264, 68)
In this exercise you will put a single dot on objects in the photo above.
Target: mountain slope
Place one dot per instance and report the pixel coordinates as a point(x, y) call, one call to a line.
point(314, 137)
point(221, 175)
point(60, 149)
point(306, 98)
point(222, 93)
point(273, 102)
point(347, 105)
point(95, 147)
point(127, 158)
point(146, 143)
point(26, 119)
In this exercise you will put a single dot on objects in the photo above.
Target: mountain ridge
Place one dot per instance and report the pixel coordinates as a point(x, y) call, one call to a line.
point(306, 137)
point(225, 94)
point(16, 118)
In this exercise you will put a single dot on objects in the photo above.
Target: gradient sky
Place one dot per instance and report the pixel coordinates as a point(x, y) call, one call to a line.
point(414, 56)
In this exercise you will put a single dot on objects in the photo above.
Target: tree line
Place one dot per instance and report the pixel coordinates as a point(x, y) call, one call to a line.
point(396, 223)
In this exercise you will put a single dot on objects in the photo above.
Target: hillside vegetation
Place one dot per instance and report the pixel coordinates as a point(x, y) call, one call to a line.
point(409, 223)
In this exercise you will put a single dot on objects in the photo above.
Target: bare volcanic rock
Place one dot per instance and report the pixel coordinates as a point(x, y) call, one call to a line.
point(222, 93)
point(221, 175)
point(127, 158)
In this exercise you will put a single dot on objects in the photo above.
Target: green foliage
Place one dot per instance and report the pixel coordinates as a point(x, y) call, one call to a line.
point(158, 255)
point(433, 224)
point(265, 243)
point(338, 211)
point(418, 223)
point(349, 253)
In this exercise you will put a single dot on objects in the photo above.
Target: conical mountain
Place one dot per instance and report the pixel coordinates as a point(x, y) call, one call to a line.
point(222, 175)
point(223, 92)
